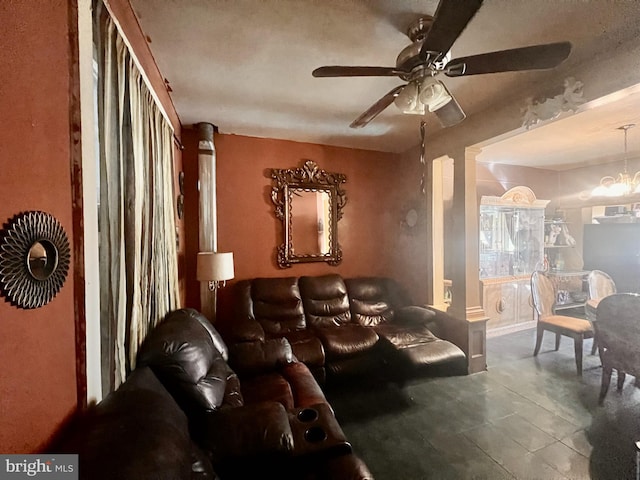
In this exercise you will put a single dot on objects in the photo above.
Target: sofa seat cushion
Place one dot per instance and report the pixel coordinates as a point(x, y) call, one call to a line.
point(249, 431)
point(403, 336)
point(418, 346)
point(268, 387)
point(307, 347)
point(433, 353)
point(254, 358)
point(346, 340)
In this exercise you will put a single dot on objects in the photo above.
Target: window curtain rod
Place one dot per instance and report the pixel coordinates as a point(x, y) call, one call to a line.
point(177, 141)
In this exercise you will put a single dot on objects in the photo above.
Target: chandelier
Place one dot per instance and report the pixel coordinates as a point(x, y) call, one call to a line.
point(624, 183)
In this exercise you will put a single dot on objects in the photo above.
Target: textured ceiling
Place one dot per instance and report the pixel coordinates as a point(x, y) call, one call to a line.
point(246, 65)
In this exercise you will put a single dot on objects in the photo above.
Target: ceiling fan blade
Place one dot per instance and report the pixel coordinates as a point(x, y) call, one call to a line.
point(451, 113)
point(450, 19)
point(535, 57)
point(376, 108)
point(342, 71)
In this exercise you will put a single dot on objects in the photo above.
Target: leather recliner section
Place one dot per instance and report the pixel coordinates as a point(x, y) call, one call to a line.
point(189, 358)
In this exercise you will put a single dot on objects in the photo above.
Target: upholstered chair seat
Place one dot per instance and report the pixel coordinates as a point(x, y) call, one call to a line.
point(544, 297)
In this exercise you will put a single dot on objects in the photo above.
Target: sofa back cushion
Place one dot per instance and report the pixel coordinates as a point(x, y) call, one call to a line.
point(370, 301)
point(325, 300)
point(243, 326)
point(189, 357)
point(277, 304)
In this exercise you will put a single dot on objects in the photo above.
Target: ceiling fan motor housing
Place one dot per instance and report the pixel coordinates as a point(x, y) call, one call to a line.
point(409, 58)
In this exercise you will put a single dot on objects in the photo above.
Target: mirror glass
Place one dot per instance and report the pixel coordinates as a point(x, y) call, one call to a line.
point(42, 259)
point(310, 216)
point(309, 203)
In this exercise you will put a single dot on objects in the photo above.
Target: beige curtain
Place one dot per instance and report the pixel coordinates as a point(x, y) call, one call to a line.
point(138, 258)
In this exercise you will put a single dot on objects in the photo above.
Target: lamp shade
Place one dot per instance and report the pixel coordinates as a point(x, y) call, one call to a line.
point(407, 100)
point(433, 94)
point(214, 266)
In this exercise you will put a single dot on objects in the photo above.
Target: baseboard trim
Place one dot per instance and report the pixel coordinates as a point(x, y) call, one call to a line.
point(499, 331)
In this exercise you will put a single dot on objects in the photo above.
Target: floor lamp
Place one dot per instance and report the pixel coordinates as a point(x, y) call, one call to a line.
point(215, 268)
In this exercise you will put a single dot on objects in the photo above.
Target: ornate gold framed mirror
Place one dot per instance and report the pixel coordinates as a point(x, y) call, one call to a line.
point(34, 259)
point(309, 202)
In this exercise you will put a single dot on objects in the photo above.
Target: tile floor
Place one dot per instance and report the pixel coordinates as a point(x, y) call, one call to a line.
point(524, 418)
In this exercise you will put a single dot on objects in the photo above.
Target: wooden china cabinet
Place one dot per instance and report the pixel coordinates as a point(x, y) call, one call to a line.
point(511, 247)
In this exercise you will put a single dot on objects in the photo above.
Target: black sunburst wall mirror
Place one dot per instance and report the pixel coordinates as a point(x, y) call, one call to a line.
point(34, 259)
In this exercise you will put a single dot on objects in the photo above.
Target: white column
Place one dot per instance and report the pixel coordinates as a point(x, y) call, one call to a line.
point(466, 302)
point(90, 186)
point(436, 237)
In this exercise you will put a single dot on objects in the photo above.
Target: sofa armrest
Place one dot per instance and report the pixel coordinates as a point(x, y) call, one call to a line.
point(450, 328)
point(441, 324)
point(253, 358)
point(430, 318)
point(414, 315)
point(256, 430)
point(243, 329)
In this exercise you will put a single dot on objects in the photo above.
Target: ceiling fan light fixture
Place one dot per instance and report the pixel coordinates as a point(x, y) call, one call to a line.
point(433, 94)
point(407, 100)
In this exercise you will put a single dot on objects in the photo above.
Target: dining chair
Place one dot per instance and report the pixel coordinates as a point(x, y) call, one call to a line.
point(600, 285)
point(544, 298)
point(618, 334)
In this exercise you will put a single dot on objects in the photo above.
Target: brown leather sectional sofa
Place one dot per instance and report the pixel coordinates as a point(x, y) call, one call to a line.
point(193, 409)
point(341, 327)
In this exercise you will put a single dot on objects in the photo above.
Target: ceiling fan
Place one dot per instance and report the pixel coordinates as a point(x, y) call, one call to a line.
point(428, 55)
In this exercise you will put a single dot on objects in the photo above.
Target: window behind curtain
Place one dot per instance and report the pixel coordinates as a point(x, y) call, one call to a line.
point(138, 259)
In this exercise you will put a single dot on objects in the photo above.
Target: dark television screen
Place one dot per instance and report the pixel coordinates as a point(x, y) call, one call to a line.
point(614, 249)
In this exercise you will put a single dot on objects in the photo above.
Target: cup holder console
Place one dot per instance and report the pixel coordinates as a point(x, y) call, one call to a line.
point(308, 415)
point(315, 435)
point(317, 432)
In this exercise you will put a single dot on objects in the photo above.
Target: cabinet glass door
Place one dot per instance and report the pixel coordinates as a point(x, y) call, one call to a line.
point(511, 240)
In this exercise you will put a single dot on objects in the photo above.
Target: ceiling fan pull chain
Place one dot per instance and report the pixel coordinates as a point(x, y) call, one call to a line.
point(423, 126)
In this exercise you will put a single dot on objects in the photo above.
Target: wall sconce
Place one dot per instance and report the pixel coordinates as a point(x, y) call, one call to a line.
point(215, 268)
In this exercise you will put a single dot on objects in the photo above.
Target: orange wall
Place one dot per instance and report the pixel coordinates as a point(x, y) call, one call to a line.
point(37, 347)
point(377, 188)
